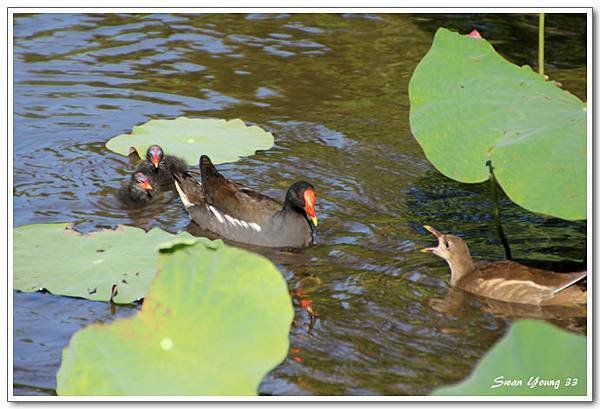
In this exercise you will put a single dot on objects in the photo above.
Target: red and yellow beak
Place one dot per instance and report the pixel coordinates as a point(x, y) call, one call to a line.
point(145, 185)
point(155, 159)
point(309, 205)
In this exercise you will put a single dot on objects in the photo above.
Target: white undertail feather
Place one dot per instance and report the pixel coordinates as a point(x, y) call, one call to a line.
point(186, 203)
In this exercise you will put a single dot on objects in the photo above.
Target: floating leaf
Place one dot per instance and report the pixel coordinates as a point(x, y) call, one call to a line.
point(59, 259)
point(531, 349)
point(215, 321)
point(188, 138)
point(468, 105)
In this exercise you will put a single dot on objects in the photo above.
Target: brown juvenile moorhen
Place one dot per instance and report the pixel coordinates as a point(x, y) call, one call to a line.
point(506, 280)
point(237, 213)
point(157, 164)
point(138, 191)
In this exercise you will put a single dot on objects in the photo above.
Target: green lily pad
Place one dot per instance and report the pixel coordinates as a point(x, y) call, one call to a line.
point(216, 320)
point(59, 259)
point(188, 138)
point(469, 105)
point(531, 353)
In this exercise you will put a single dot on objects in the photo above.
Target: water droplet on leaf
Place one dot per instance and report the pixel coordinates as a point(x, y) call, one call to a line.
point(166, 344)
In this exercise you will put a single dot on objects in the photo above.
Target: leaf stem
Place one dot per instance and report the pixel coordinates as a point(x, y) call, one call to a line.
point(499, 229)
point(541, 44)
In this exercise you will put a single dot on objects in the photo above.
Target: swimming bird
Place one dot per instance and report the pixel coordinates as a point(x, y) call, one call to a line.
point(138, 191)
point(238, 213)
point(157, 164)
point(507, 281)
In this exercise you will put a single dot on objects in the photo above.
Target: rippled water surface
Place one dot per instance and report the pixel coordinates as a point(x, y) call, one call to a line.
point(333, 91)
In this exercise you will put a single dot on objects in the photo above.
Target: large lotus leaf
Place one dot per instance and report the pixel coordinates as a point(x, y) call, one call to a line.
point(215, 321)
point(531, 351)
point(59, 259)
point(468, 105)
point(188, 138)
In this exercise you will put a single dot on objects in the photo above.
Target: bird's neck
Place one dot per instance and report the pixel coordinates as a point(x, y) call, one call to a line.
point(291, 212)
point(290, 209)
point(460, 268)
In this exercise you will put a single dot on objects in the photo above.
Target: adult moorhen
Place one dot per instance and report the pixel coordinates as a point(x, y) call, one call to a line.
point(506, 280)
point(157, 164)
point(138, 191)
point(237, 213)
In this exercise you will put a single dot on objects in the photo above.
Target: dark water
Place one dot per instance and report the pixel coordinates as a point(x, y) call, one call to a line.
point(333, 90)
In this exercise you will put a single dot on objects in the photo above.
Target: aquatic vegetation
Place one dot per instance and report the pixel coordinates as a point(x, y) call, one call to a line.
point(62, 261)
point(469, 105)
point(215, 321)
point(222, 140)
point(533, 358)
point(478, 117)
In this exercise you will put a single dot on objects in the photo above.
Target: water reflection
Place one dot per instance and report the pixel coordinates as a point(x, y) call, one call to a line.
point(570, 317)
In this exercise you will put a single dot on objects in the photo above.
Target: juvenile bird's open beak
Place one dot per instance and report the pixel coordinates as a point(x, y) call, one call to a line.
point(439, 235)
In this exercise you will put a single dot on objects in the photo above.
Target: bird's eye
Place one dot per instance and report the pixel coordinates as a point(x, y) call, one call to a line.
point(446, 244)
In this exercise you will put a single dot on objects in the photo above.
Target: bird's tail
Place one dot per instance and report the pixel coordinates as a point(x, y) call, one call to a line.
point(577, 278)
point(133, 157)
point(184, 181)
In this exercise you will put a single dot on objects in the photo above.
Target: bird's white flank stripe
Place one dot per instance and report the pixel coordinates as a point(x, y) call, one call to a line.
point(242, 223)
point(232, 220)
point(216, 213)
point(186, 203)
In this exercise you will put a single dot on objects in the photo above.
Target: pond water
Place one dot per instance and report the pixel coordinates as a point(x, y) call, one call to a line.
point(333, 91)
